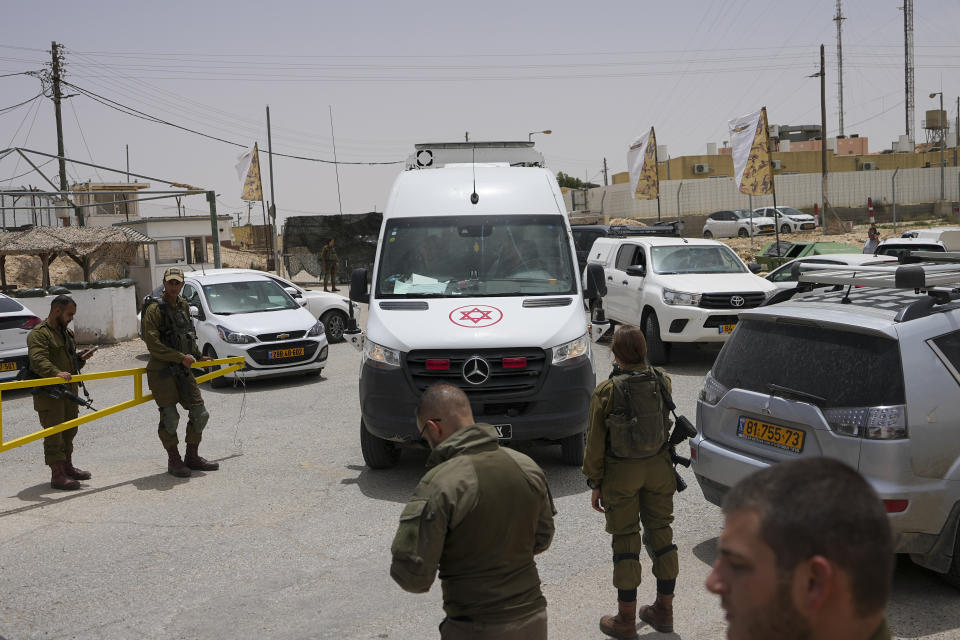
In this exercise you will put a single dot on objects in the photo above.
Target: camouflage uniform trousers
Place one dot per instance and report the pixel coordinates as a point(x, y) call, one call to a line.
point(330, 271)
point(532, 627)
point(636, 492)
point(58, 446)
point(169, 390)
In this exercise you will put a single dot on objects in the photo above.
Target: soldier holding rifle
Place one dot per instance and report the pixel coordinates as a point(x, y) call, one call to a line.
point(52, 351)
point(169, 335)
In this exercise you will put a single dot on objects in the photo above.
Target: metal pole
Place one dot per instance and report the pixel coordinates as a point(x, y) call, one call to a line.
point(893, 186)
point(943, 142)
point(679, 188)
point(273, 200)
point(658, 205)
point(215, 231)
point(336, 165)
point(128, 162)
point(823, 141)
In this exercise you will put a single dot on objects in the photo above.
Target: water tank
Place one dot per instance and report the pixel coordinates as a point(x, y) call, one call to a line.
point(935, 119)
point(711, 148)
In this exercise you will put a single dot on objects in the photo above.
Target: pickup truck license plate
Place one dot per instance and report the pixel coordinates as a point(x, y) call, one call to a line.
point(504, 431)
point(727, 328)
point(8, 366)
point(279, 354)
point(771, 435)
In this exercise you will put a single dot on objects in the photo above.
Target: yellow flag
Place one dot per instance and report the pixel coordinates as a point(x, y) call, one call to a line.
point(252, 187)
point(751, 153)
point(642, 162)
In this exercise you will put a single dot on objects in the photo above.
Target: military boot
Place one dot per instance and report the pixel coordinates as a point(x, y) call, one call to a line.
point(195, 462)
point(59, 478)
point(624, 624)
point(659, 615)
point(175, 466)
point(73, 472)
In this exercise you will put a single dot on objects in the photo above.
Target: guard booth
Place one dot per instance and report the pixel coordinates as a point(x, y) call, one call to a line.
point(355, 239)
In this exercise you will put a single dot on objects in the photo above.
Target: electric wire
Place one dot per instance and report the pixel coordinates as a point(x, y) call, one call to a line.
point(36, 110)
point(4, 110)
point(84, 138)
point(9, 180)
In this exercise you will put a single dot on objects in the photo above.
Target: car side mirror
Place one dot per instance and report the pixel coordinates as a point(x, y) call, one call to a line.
point(194, 312)
point(293, 292)
point(637, 270)
point(358, 286)
point(754, 267)
point(301, 301)
point(594, 286)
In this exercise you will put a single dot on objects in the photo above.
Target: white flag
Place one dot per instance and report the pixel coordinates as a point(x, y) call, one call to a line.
point(243, 164)
point(750, 145)
point(642, 163)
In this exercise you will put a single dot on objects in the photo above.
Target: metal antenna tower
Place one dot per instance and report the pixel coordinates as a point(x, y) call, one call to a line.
point(839, 18)
point(908, 64)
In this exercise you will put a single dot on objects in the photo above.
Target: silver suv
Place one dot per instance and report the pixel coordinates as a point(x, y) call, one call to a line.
point(867, 372)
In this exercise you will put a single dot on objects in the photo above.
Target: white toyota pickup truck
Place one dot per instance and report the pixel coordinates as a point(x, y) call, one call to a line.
point(676, 289)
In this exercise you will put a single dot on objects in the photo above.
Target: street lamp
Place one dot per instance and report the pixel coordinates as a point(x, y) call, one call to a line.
point(533, 133)
point(943, 139)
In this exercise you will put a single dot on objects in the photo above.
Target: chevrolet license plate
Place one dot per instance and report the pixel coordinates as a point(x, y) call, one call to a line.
point(8, 366)
point(727, 328)
point(504, 431)
point(280, 354)
point(772, 435)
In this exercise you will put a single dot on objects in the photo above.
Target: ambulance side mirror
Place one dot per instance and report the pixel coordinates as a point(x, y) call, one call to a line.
point(358, 286)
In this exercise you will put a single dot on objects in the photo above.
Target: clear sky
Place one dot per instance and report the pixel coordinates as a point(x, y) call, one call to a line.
point(397, 73)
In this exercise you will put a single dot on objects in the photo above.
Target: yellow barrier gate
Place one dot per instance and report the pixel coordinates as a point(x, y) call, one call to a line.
point(227, 365)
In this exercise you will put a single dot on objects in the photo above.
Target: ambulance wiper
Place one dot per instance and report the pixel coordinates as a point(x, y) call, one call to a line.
point(786, 392)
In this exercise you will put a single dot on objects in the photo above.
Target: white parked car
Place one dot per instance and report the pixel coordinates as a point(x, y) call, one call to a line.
point(16, 321)
point(790, 220)
point(250, 315)
point(783, 277)
point(676, 289)
point(331, 309)
point(736, 222)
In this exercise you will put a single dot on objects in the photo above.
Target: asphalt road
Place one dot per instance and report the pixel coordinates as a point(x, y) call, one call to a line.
point(291, 537)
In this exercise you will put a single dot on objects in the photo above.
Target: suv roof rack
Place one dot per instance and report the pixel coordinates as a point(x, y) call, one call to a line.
point(660, 229)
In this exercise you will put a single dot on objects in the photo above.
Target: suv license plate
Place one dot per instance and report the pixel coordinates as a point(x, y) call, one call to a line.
point(279, 354)
point(8, 366)
point(727, 328)
point(771, 435)
point(504, 431)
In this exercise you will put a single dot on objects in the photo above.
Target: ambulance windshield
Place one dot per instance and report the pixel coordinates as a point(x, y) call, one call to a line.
point(454, 256)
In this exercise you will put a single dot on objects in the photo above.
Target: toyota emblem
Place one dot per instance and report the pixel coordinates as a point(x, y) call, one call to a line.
point(736, 301)
point(476, 370)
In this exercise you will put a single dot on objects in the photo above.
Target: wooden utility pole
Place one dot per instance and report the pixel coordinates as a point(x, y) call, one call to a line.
point(56, 53)
point(273, 201)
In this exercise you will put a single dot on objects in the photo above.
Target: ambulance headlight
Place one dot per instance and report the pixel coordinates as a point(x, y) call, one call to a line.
point(379, 356)
point(572, 352)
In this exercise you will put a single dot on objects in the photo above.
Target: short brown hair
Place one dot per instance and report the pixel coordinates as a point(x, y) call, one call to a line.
point(629, 345)
point(820, 506)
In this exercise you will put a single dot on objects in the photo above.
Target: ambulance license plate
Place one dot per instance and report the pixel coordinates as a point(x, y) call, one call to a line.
point(504, 431)
point(727, 328)
point(771, 435)
point(280, 354)
point(9, 366)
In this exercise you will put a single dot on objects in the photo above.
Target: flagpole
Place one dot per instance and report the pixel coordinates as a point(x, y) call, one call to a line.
point(773, 183)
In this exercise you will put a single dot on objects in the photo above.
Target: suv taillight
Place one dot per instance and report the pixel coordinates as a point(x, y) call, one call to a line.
point(31, 322)
point(870, 423)
point(712, 391)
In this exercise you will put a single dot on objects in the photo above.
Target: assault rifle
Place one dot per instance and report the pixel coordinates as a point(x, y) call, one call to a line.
point(682, 429)
point(57, 391)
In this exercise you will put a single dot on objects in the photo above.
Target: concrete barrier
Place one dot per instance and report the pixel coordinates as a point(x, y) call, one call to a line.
point(104, 316)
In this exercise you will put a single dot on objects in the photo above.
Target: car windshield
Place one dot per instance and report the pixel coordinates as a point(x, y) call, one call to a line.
point(6, 305)
point(695, 259)
point(818, 361)
point(249, 296)
point(790, 211)
point(897, 250)
point(453, 256)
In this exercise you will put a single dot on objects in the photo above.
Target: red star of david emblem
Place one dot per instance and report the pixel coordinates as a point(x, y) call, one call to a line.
point(475, 315)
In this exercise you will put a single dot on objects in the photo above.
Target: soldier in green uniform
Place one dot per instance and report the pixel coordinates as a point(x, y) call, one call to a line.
point(806, 553)
point(170, 339)
point(628, 467)
point(328, 256)
point(52, 351)
point(480, 514)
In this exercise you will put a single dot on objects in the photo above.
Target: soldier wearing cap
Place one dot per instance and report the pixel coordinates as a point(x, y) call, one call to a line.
point(170, 338)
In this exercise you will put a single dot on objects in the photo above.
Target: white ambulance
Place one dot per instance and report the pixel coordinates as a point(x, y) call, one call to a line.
point(475, 284)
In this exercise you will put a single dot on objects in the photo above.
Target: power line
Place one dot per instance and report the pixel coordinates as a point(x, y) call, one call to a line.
point(9, 180)
point(84, 138)
point(130, 111)
point(19, 104)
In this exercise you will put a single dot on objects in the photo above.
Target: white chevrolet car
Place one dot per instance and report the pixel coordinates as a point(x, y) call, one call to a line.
point(331, 309)
point(250, 315)
point(16, 321)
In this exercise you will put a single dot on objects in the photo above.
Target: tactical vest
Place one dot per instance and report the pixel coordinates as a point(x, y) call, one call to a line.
point(176, 329)
point(636, 427)
point(487, 570)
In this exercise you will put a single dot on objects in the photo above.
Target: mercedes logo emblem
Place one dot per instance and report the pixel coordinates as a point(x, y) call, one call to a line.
point(736, 301)
point(476, 370)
